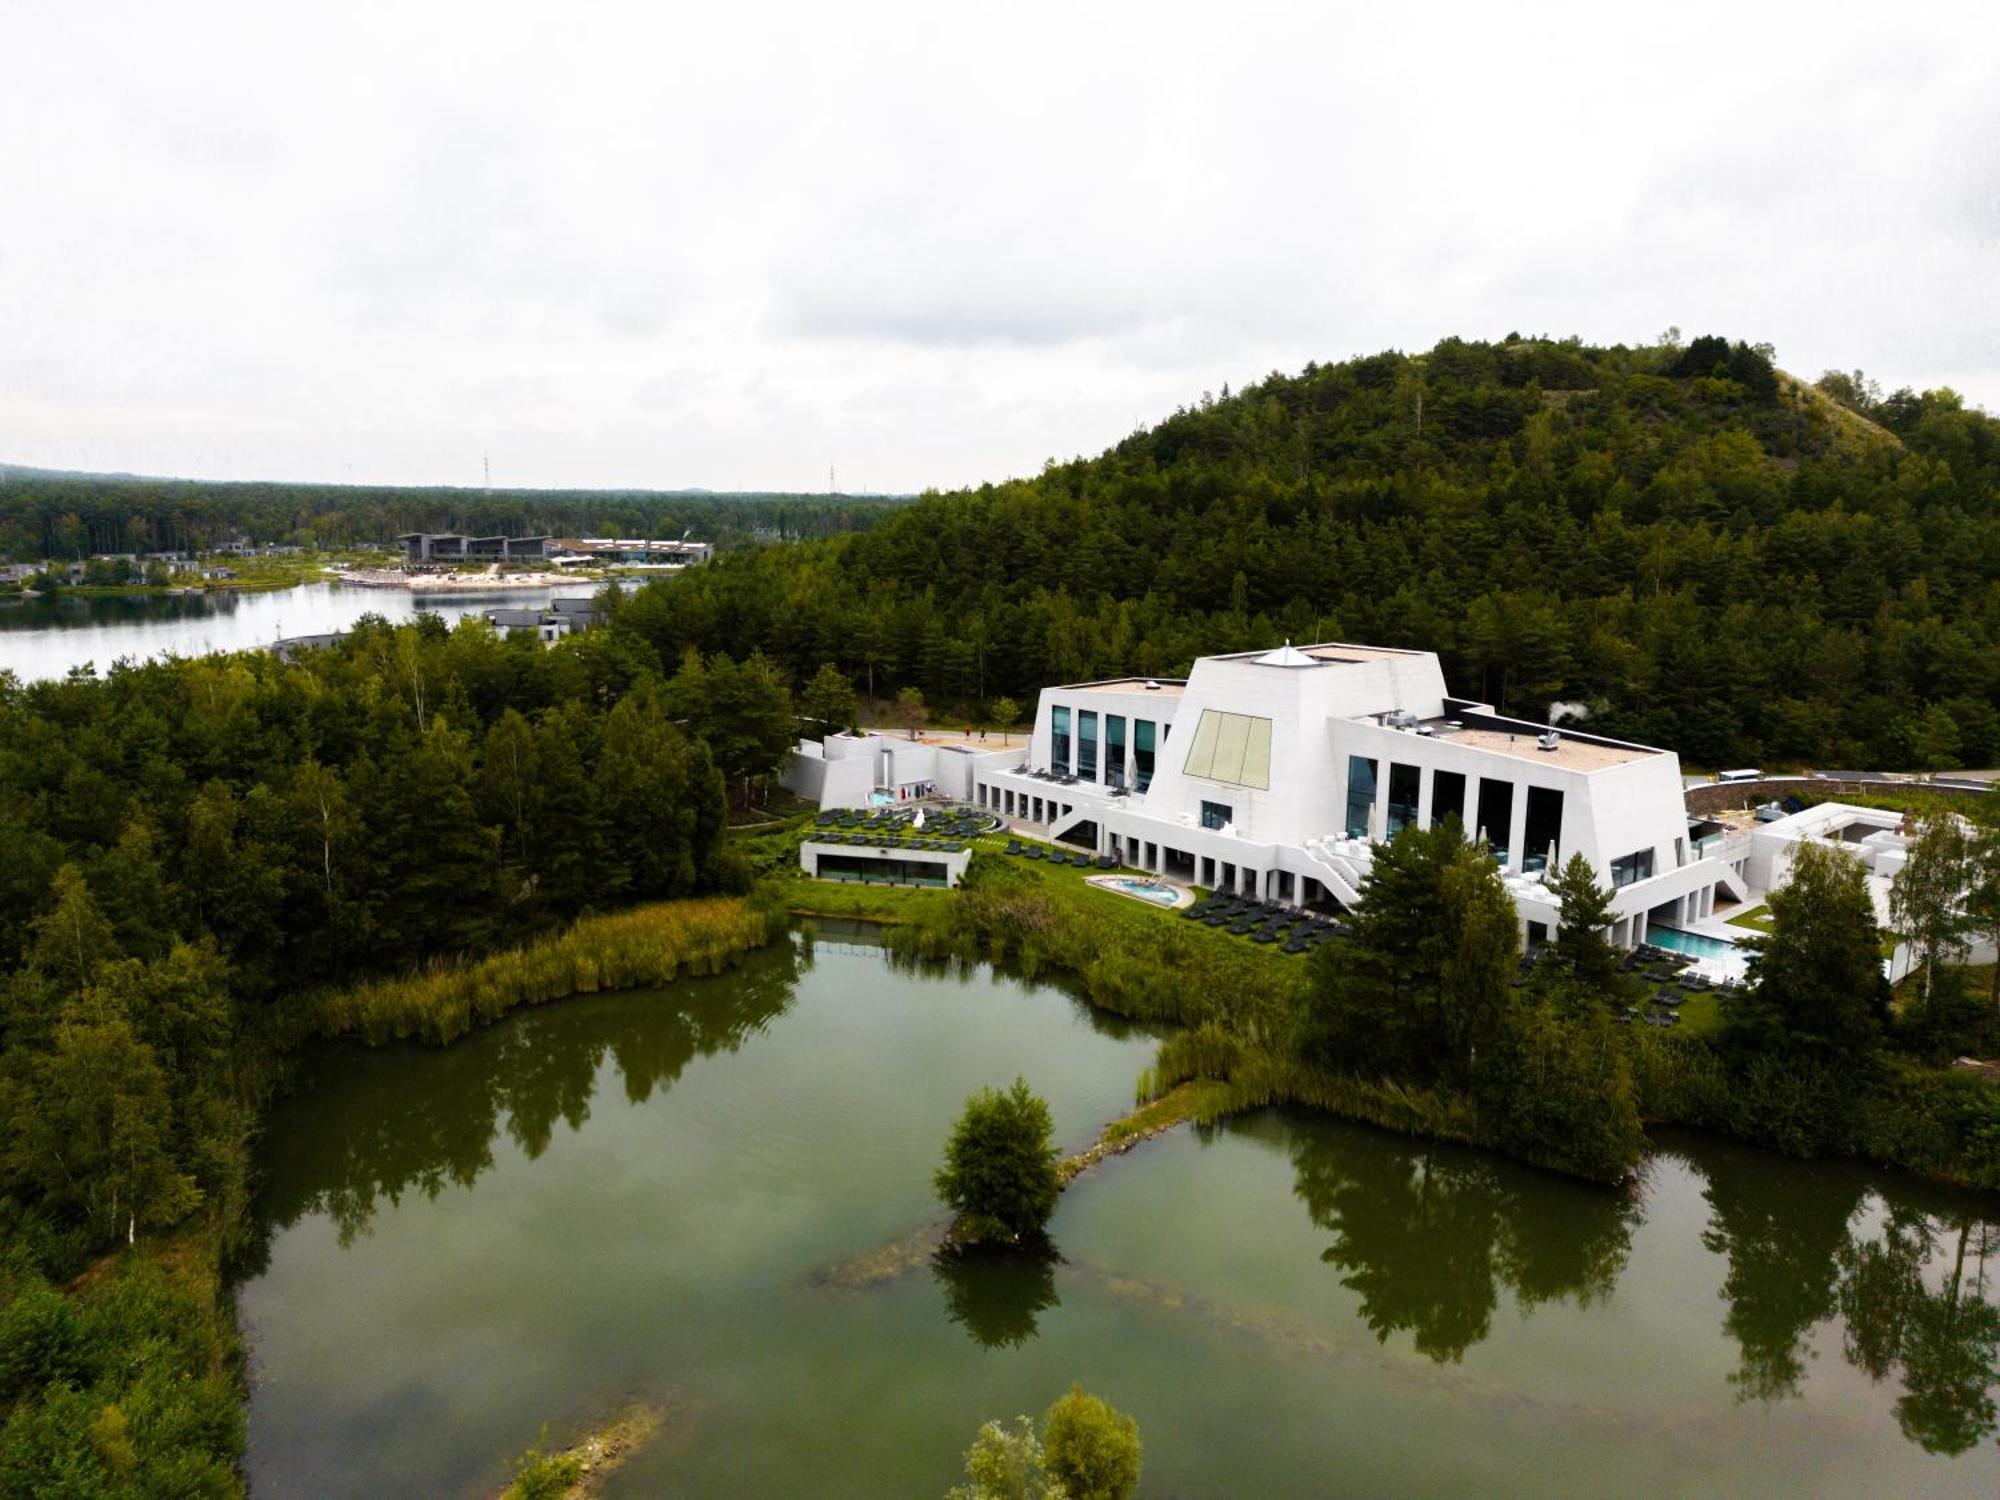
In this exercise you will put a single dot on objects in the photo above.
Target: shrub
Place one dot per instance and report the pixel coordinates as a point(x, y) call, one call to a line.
point(544, 1476)
point(1090, 1448)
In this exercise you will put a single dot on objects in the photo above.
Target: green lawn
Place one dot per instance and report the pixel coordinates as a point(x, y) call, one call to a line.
point(1701, 1015)
point(1757, 919)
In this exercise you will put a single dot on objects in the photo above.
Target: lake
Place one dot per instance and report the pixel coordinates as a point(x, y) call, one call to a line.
point(638, 1195)
point(47, 638)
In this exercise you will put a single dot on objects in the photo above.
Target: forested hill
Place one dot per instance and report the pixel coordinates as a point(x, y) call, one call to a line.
point(1706, 552)
point(50, 514)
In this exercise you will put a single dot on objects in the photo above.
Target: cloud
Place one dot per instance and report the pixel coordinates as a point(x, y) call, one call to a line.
point(631, 245)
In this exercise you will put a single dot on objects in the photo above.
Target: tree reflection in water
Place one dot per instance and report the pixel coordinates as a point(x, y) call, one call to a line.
point(1428, 1235)
point(996, 1292)
point(424, 1118)
point(1937, 1333)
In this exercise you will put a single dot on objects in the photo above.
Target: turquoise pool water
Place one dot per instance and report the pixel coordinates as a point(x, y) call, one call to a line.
point(1711, 950)
point(1145, 890)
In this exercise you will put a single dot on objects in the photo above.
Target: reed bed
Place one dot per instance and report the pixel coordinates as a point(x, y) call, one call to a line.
point(636, 949)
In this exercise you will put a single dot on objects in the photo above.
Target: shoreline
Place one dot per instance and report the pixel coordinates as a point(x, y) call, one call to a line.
point(456, 583)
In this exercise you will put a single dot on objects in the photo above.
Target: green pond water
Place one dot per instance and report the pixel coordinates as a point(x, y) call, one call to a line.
point(635, 1196)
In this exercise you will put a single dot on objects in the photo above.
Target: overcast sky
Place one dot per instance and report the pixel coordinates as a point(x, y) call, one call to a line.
point(729, 245)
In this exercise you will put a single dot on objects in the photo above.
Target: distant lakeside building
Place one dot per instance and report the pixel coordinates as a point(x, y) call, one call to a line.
point(633, 553)
point(456, 547)
point(1276, 773)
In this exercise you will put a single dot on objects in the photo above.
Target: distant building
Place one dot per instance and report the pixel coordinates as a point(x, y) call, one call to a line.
point(560, 617)
point(294, 646)
point(456, 547)
point(629, 553)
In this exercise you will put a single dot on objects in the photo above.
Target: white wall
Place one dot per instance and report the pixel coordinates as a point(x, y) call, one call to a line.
point(1321, 715)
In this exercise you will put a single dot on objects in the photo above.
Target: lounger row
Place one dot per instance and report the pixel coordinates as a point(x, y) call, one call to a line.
point(1061, 856)
point(1267, 922)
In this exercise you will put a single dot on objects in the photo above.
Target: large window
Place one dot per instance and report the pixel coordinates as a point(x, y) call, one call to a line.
point(1231, 747)
point(1496, 815)
point(1059, 740)
point(1114, 750)
point(1405, 785)
point(1360, 796)
point(1447, 797)
point(1142, 753)
point(1544, 828)
point(1086, 745)
point(1217, 814)
point(1631, 868)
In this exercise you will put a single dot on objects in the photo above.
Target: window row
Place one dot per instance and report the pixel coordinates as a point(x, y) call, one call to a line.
point(1491, 818)
point(1073, 747)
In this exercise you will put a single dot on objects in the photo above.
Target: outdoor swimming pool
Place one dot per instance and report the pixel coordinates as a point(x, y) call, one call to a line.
point(1143, 890)
point(1715, 951)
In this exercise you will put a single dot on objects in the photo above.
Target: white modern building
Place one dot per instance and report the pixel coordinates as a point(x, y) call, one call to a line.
point(1276, 772)
point(881, 770)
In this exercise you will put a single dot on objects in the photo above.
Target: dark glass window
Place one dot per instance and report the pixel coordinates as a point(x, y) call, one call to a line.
point(1059, 740)
point(1142, 753)
point(1215, 814)
point(1496, 815)
point(1360, 795)
point(1544, 827)
point(1632, 867)
point(1447, 797)
point(1114, 750)
point(1086, 745)
point(1405, 785)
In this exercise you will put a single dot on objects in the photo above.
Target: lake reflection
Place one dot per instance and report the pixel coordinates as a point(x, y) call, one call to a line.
point(640, 1193)
point(1429, 1236)
point(49, 638)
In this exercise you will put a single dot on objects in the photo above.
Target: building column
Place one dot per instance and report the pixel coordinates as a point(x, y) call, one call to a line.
point(1517, 827)
point(1424, 788)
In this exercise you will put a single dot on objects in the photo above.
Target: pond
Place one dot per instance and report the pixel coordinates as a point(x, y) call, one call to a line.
point(638, 1195)
point(46, 638)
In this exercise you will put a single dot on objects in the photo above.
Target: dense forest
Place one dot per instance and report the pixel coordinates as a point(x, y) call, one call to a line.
point(187, 849)
point(1697, 550)
point(46, 515)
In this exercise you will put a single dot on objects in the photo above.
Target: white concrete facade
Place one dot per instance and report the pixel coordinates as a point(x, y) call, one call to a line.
point(1275, 773)
point(866, 770)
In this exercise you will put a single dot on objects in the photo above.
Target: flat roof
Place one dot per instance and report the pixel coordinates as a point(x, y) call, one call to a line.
point(1166, 686)
point(1328, 653)
point(1570, 754)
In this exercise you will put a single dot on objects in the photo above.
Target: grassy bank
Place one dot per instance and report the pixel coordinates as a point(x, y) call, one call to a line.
point(1237, 1005)
point(637, 949)
point(1127, 957)
point(126, 1382)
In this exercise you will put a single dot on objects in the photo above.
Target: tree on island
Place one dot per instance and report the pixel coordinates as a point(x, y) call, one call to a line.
point(1088, 1450)
point(910, 710)
point(999, 1173)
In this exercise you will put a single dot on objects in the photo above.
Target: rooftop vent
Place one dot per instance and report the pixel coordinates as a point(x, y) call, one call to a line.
point(1549, 741)
point(1152, 685)
point(1286, 655)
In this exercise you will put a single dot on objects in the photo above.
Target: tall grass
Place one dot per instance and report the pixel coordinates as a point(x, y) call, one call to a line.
point(636, 949)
